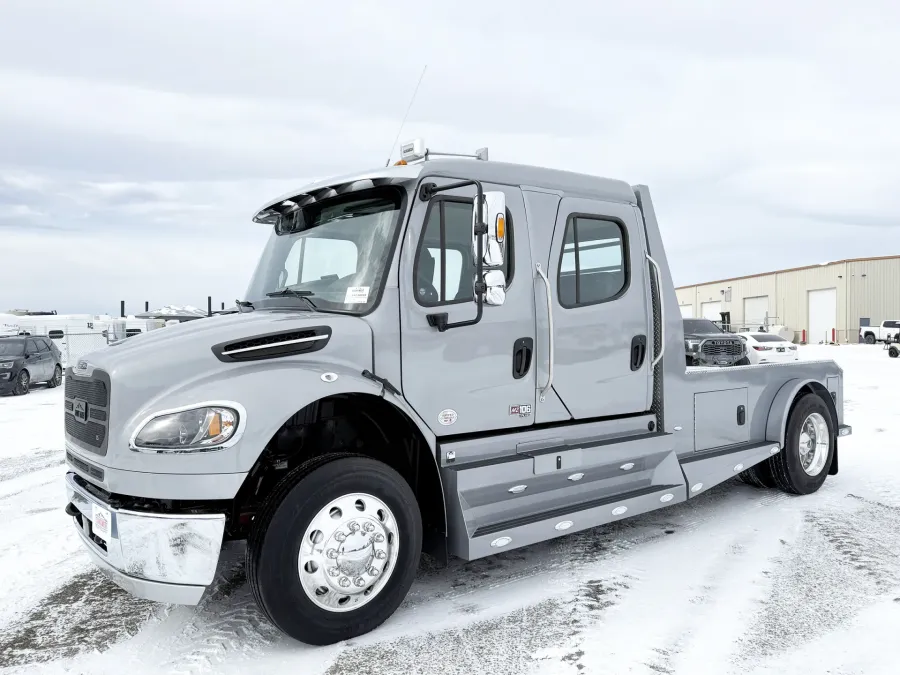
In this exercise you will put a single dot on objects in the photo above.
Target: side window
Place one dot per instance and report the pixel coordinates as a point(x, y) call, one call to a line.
point(42, 345)
point(444, 271)
point(30, 348)
point(593, 265)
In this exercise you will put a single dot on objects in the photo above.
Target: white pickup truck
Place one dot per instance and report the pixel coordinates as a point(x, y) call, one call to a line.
point(887, 330)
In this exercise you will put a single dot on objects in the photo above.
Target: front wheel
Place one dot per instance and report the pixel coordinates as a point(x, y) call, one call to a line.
point(803, 464)
point(23, 383)
point(335, 549)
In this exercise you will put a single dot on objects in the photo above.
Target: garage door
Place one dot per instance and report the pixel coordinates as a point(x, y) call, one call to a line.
point(687, 311)
point(711, 310)
point(755, 311)
point(822, 314)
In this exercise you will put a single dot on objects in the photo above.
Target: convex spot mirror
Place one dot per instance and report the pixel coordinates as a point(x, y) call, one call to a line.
point(495, 287)
point(493, 244)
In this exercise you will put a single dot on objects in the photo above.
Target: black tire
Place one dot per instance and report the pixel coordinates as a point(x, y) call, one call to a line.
point(759, 476)
point(893, 352)
point(786, 468)
point(56, 380)
point(870, 339)
point(743, 362)
point(23, 383)
point(274, 544)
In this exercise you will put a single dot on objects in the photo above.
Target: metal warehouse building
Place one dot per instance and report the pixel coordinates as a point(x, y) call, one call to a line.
point(829, 301)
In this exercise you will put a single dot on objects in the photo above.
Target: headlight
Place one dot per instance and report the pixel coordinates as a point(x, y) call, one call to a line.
point(194, 430)
point(6, 364)
point(693, 346)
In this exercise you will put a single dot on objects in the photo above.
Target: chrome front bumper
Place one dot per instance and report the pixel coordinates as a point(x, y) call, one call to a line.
point(161, 557)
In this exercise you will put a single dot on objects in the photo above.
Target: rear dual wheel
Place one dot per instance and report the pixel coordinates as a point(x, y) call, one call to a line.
point(335, 549)
point(803, 464)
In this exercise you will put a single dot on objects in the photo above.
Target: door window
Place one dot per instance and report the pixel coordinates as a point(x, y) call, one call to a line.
point(444, 269)
point(30, 348)
point(42, 345)
point(593, 265)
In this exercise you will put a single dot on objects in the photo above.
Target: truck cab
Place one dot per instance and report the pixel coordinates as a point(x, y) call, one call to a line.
point(450, 355)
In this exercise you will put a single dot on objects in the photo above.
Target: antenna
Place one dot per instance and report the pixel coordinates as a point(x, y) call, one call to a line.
point(408, 108)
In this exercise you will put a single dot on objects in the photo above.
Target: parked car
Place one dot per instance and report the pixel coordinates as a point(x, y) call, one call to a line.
point(887, 330)
point(769, 348)
point(25, 360)
point(705, 344)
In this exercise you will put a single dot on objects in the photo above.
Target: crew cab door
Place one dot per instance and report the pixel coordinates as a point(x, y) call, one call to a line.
point(602, 324)
point(472, 378)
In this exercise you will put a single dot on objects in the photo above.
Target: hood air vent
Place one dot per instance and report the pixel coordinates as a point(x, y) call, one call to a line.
point(273, 345)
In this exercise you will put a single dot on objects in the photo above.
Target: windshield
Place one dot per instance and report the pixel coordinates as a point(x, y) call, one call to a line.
point(701, 326)
point(336, 254)
point(12, 347)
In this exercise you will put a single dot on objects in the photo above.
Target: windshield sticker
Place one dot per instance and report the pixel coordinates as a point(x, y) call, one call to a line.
point(357, 295)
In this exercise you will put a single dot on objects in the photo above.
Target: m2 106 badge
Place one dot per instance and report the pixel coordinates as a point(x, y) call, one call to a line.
point(521, 410)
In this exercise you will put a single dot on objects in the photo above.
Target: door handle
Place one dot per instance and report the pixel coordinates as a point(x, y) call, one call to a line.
point(522, 350)
point(638, 351)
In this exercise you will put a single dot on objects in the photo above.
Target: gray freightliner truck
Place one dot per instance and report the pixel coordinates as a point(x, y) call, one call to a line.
point(450, 355)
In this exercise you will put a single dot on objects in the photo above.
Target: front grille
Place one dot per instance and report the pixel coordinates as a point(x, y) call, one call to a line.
point(85, 467)
point(88, 398)
point(91, 433)
point(91, 391)
point(722, 348)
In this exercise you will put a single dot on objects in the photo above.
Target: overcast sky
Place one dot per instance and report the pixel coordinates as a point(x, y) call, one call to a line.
point(137, 138)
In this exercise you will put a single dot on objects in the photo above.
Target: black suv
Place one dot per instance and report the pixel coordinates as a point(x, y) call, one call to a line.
point(25, 359)
point(705, 344)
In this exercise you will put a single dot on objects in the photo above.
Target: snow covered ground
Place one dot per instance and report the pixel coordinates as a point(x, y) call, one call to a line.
point(737, 580)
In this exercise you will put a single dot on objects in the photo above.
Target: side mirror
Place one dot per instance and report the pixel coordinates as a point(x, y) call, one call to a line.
point(495, 287)
point(493, 211)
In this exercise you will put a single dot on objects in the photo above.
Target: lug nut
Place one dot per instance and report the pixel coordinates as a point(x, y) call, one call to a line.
point(340, 537)
point(359, 581)
point(369, 527)
point(344, 582)
point(372, 572)
point(333, 571)
point(381, 555)
point(331, 553)
point(379, 538)
point(353, 526)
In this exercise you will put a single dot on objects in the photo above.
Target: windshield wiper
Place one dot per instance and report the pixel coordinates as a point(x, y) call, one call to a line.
point(303, 295)
point(243, 303)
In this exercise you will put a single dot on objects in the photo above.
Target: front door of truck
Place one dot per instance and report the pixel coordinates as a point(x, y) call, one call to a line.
point(602, 325)
point(471, 378)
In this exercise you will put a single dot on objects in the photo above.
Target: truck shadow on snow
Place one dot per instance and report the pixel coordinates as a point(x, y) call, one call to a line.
point(87, 613)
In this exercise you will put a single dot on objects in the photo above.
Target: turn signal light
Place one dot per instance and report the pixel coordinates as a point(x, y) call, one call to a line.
point(501, 227)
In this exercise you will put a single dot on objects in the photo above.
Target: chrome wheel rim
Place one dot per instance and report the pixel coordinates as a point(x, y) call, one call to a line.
point(814, 438)
point(348, 552)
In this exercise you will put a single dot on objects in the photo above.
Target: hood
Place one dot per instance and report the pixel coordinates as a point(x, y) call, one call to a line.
point(713, 336)
point(147, 365)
